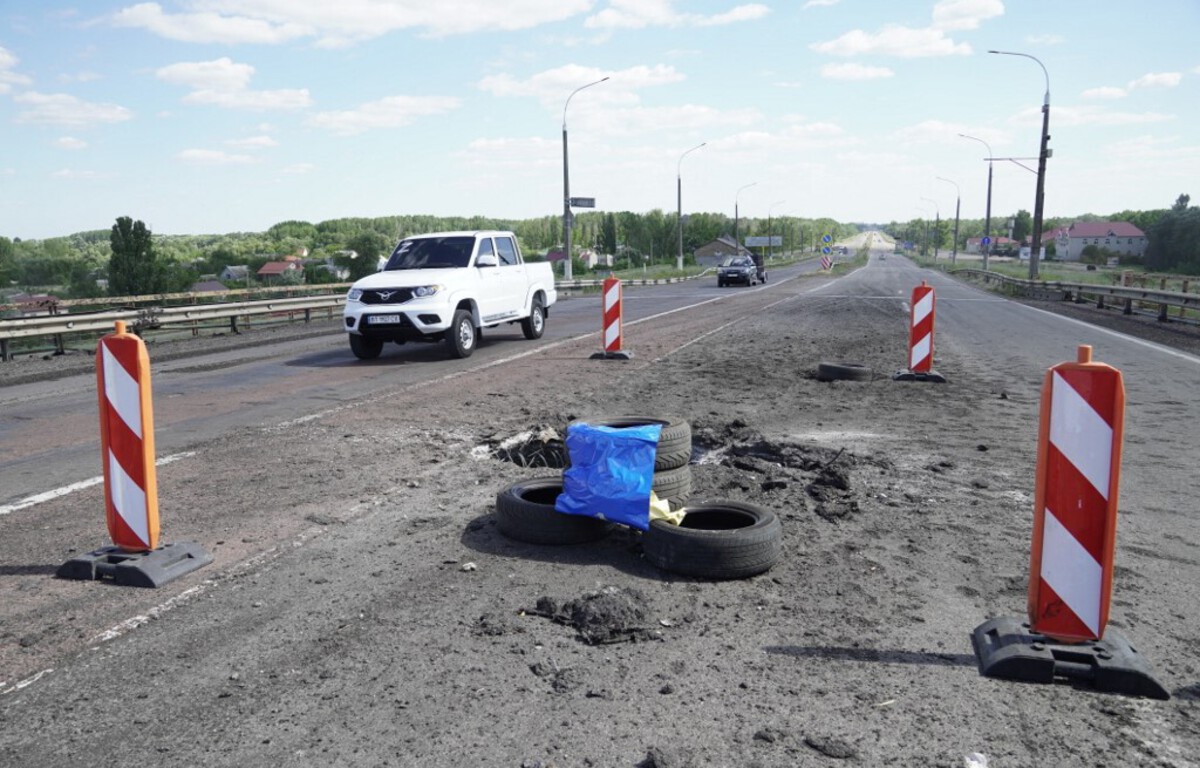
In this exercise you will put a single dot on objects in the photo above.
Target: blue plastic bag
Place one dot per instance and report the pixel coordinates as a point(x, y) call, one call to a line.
point(611, 473)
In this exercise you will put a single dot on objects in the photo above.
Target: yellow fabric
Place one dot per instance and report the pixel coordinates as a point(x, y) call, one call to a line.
point(661, 510)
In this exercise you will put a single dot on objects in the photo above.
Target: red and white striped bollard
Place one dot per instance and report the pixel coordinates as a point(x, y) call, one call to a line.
point(1075, 508)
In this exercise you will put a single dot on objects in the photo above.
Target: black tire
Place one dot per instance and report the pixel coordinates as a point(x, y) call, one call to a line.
point(365, 348)
point(843, 372)
point(718, 540)
point(535, 325)
point(720, 283)
point(525, 512)
point(462, 335)
point(674, 485)
point(674, 442)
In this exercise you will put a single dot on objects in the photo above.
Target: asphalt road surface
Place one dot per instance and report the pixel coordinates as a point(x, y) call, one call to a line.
point(363, 609)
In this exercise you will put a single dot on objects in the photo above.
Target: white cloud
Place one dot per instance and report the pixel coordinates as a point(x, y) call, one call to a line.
point(341, 23)
point(213, 157)
point(965, 14)
point(70, 142)
point(298, 169)
point(639, 14)
point(65, 109)
point(1088, 115)
point(902, 42)
point(852, 71)
point(389, 112)
point(78, 77)
point(1105, 92)
point(253, 142)
point(225, 83)
point(218, 75)
point(749, 12)
point(819, 4)
point(1151, 80)
point(1145, 147)
point(9, 78)
point(1157, 80)
point(550, 85)
point(208, 27)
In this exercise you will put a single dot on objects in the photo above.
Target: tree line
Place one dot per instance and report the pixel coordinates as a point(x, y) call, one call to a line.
point(1172, 234)
point(130, 260)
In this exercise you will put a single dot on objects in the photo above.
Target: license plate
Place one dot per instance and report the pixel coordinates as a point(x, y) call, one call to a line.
point(383, 319)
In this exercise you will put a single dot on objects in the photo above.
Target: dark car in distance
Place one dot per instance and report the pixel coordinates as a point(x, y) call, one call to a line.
point(738, 269)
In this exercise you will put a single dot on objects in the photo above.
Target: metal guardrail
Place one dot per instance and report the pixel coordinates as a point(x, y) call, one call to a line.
point(154, 316)
point(1129, 295)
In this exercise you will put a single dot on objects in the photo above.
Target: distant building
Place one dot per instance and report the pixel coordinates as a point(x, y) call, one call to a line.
point(593, 259)
point(975, 244)
point(238, 274)
point(279, 271)
point(1120, 237)
point(712, 254)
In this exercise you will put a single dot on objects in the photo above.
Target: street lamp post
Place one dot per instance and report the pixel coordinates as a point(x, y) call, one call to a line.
point(567, 223)
point(737, 243)
point(987, 222)
point(957, 205)
point(937, 228)
point(679, 201)
point(1039, 198)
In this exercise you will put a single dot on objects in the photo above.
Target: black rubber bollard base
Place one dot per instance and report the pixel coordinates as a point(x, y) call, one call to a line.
point(136, 569)
point(1007, 649)
point(612, 356)
point(932, 376)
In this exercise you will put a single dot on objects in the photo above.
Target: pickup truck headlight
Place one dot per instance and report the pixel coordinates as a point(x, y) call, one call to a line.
point(425, 291)
point(354, 295)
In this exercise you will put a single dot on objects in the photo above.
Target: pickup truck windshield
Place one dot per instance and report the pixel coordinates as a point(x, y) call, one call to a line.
point(431, 253)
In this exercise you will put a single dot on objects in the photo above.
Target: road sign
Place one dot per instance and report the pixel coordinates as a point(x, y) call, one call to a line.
point(762, 242)
point(583, 202)
point(826, 238)
point(826, 250)
point(985, 241)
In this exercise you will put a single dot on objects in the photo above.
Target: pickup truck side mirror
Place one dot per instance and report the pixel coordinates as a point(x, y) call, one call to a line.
point(486, 260)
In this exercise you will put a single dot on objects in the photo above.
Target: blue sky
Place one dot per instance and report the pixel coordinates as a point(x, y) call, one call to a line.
point(215, 116)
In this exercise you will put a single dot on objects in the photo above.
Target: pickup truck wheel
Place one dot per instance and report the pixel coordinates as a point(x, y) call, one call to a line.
point(535, 325)
point(525, 512)
point(461, 335)
point(718, 540)
point(364, 348)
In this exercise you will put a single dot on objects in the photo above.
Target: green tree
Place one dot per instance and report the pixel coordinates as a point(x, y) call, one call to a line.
point(1173, 242)
point(1022, 226)
point(8, 262)
point(134, 269)
point(369, 247)
point(608, 234)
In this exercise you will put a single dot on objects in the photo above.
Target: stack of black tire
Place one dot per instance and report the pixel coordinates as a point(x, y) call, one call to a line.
point(721, 540)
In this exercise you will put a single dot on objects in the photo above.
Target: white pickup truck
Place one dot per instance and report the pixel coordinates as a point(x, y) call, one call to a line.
point(447, 286)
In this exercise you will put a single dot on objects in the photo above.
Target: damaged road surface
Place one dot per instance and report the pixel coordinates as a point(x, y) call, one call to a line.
point(363, 609)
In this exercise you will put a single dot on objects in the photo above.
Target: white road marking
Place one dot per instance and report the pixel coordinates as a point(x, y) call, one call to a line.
point(24, 683)
point(68, 489)
point(1142, 342)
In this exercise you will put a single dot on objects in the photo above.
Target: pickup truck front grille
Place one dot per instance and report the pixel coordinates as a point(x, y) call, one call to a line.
point(386, 295)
